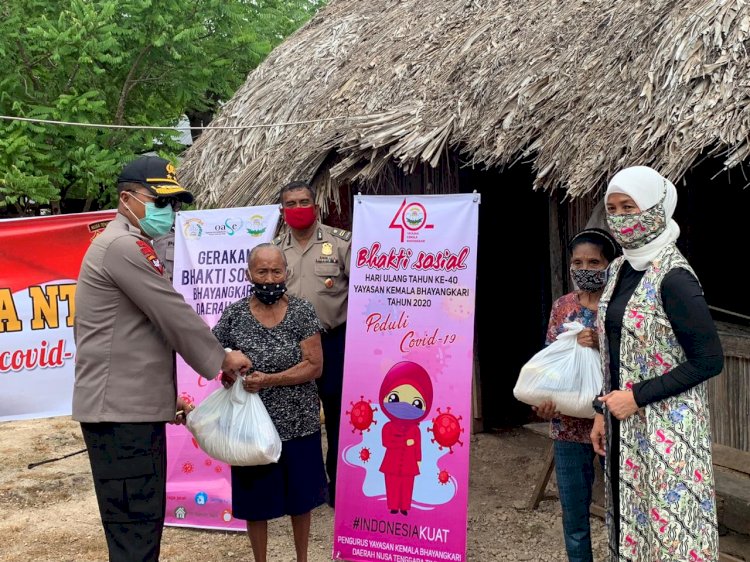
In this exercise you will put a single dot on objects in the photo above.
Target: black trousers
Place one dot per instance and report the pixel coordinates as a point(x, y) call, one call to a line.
point(329, 388)
point(129, 466)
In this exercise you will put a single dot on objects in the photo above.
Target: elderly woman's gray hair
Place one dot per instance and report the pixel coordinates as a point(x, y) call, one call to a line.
point(254, 251)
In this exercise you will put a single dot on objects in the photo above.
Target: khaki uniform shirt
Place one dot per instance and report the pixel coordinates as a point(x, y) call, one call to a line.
point(164, 247)
point(319, 273)
point(128, 321)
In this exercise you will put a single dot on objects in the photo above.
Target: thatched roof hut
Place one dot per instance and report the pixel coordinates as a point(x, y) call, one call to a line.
point(580, 87)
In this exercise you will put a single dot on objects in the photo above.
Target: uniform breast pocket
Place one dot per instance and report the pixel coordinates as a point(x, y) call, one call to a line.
point(327, 269)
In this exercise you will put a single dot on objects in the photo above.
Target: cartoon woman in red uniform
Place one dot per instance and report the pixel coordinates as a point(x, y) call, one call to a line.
point(406, 398)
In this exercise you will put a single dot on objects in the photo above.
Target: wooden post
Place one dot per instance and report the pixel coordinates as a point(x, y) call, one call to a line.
point(477, 422)
point(556, 258)
point(541, 484)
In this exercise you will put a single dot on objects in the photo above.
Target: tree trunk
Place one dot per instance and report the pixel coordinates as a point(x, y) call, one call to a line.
point(198, 119)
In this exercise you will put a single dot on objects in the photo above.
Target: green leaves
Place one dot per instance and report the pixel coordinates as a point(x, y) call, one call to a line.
point(134, 62)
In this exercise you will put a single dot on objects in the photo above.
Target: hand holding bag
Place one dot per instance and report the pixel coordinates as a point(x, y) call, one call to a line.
point(233, 425)
point(565, 372)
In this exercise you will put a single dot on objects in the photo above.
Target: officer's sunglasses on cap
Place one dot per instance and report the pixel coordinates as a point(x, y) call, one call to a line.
point(161, 202)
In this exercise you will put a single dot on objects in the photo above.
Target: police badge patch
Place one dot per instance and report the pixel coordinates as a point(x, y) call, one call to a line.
point(150, 255)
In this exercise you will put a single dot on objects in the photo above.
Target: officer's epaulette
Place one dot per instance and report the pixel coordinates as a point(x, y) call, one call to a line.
point(341, 233)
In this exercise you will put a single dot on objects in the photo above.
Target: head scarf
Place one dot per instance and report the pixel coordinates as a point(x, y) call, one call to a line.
point(407, 372)
point(646, 187)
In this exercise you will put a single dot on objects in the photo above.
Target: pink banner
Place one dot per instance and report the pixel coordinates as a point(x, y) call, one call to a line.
point(403, 473)
point(211, 249)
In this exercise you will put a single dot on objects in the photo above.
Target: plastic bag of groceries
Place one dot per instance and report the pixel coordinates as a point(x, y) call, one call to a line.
point(565, 372)
point(233, 425)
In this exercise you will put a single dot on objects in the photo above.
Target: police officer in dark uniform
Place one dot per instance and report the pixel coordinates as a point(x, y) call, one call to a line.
point(318, 258)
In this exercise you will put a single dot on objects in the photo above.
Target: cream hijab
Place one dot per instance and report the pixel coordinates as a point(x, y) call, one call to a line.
point(646, 187)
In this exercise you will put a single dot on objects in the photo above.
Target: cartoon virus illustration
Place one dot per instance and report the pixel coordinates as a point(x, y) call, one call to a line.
point(208, 462)
point(188, 468)
point(364, 454)
point(446, 429)
point(361, 415)
point(195, 443)
point(443, 477)
point(187, 398)
point(218, 468)
point(434, 358)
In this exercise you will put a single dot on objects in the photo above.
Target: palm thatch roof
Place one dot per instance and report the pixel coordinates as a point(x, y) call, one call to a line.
point(579, 87)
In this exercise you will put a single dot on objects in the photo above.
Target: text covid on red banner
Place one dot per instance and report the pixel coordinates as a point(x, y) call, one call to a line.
point(39, 262)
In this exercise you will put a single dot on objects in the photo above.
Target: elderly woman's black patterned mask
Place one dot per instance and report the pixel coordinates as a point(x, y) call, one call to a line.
point(269, 293)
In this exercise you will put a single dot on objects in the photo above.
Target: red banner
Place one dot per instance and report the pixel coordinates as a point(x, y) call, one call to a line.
point(39, 262)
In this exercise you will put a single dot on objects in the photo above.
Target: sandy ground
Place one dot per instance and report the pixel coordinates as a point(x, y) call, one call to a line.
point(50, 515)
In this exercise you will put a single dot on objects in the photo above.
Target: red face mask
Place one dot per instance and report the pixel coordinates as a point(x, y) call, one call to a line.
point(300, 217)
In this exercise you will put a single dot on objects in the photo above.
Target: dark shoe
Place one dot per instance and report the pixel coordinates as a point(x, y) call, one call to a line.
point(403, 512)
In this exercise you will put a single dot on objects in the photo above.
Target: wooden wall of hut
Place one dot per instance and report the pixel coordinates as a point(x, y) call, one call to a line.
point(392, 180)
point(712, 214)
point(422, 180)
point(513, 300)
point(729, 393)
point(566, 218)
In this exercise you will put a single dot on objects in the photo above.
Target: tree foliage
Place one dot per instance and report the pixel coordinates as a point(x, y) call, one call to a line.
point(133, 62)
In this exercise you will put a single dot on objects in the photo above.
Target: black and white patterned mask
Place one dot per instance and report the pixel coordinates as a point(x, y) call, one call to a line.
point(589, 280)
point(269, 293)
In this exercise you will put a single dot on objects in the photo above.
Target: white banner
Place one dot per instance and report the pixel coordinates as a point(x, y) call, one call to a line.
point(210, 271)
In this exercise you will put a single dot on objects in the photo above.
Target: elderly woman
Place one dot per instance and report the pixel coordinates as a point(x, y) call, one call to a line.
point(281, 335)
point(659, 345)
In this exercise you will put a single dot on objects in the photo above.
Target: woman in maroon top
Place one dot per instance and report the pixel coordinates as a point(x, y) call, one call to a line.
point(591, 251)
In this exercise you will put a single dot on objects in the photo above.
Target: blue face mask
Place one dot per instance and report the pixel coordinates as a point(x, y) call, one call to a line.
point(403, 410)
point(157, 222)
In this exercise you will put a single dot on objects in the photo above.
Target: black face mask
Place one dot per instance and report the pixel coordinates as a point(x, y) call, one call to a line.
point(269, 293)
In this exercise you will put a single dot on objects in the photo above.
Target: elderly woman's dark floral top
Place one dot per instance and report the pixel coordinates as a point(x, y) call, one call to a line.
point(295, 409)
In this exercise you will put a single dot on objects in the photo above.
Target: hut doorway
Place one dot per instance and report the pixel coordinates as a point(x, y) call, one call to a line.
point(712, 213)
point(513, 288)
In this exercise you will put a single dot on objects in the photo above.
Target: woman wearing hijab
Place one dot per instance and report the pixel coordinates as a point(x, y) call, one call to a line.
point(406, 398)
point(659, 345)
point(591, 252)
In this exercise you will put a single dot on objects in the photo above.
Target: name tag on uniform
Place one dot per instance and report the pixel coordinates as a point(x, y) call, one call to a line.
point(327, 259)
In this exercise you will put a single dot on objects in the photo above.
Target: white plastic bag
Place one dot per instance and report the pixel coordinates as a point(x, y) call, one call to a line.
point(565, 372)
point(233, 425)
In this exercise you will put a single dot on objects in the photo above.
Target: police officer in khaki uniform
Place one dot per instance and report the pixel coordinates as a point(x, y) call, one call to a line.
point(128, 321)
point(318, 258)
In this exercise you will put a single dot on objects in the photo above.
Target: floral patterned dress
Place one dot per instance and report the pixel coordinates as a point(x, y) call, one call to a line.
point(665, 486)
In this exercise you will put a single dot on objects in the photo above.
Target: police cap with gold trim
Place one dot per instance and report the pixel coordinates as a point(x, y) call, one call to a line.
point(156, 174)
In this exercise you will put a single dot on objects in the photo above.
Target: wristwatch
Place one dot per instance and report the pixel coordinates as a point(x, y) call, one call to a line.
point(598, 405)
